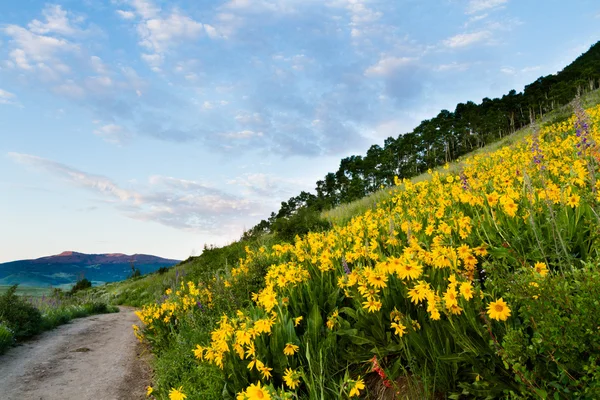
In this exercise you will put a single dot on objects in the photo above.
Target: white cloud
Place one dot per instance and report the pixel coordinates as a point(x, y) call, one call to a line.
point(57, 21)
point(126, 14)
point(531, 69)
point(113, 133)
point(466, 39)
point(267, 185)
point(453, 66)
point(387, 66)
point(98, 66)
point(154, 60)
point(476, 6)
point(98, 83)
point(513, 71)
point(145, 9)
point(364, 21)
point(260, 6)
point(182, 204)
point(245, 134)
point(70, 89)
point(37, 47)
point(98, 183)
point(158, 34)
point(476, 18)
point(211, 31)
point(6, 97)
point(33, 52)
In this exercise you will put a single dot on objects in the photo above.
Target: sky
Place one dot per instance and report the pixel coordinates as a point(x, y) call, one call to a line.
point(148, 126)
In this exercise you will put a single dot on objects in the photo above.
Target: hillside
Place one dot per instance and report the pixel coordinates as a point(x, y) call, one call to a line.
point(435, 142)
point(447, 284)
point(478, 284)
point(65, 268)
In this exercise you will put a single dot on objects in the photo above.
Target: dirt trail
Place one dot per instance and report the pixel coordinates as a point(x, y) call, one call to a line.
point(97, 357)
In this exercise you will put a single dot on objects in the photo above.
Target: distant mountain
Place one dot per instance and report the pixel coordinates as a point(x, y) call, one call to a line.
point(64, 269)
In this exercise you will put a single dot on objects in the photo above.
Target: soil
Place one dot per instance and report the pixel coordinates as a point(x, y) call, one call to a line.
point(97, 357)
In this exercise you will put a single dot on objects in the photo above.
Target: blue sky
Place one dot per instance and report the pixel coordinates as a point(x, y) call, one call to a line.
point(142, 126)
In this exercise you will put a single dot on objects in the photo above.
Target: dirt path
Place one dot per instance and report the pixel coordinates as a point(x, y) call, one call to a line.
point(91, 358)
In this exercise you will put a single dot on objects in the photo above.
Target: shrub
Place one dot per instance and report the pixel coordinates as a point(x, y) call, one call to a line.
point(6, 337)
point(162, 270)
point(20, 316)
point(303, 221)
point(556, 349)
point(81, 284)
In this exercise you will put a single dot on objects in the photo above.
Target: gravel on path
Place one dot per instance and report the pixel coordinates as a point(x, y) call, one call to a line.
point(96, 357)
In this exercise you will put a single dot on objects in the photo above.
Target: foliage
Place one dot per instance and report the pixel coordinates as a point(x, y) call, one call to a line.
point(81, 284)
point(300, 223)
point(6, 337)
point(20, 316)
point(556, 349)
point(162, 270)
point(453, 286)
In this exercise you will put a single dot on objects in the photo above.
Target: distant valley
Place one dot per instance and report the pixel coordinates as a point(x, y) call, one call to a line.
point(64, 269)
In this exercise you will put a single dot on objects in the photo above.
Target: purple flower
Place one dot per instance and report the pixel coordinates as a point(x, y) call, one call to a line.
point(464, 182)
point(582, 130)
point(345, 265)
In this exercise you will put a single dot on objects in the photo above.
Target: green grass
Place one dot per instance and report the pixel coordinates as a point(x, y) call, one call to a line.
point(151, 287)
point(30, 291)
point(343, 213)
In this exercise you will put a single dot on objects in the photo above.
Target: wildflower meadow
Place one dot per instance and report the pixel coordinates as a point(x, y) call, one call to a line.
point(477, 283)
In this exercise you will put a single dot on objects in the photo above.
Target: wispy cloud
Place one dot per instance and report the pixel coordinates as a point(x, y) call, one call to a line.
point(387, 66)
point(514, 71)
point(32, 51)
point(160, 31)
point(126, 14)
point(477, 6)
point(7, 97)
point(76, 177)
point(178, 203)
point(475, 18)
point(267, 185)
point(113, 133)
point(453, 66)
point(58, 21)
point(466, 39)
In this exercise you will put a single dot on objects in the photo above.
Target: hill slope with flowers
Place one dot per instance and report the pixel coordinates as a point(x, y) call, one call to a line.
point(479, 283)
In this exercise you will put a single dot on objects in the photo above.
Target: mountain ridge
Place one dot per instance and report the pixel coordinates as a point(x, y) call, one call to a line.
point(65, 268)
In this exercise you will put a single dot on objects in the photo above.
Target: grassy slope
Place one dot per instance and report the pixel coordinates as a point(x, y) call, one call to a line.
point(345, 212)
point(27, 290)
point(151, 287)
point(215, 262)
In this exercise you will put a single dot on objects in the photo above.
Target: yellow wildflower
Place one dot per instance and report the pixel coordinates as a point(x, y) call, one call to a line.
point(177, 394)
point(498, 310)
point(290, 349)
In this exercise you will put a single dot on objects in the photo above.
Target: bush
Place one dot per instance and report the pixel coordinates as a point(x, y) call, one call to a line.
point(303, 221)
point(556, 349)
point(81, 285)
point(6, 337)
point(162, 270)
point(20, 316)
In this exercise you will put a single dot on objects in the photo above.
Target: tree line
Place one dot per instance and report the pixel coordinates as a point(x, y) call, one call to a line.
point(434, 142)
